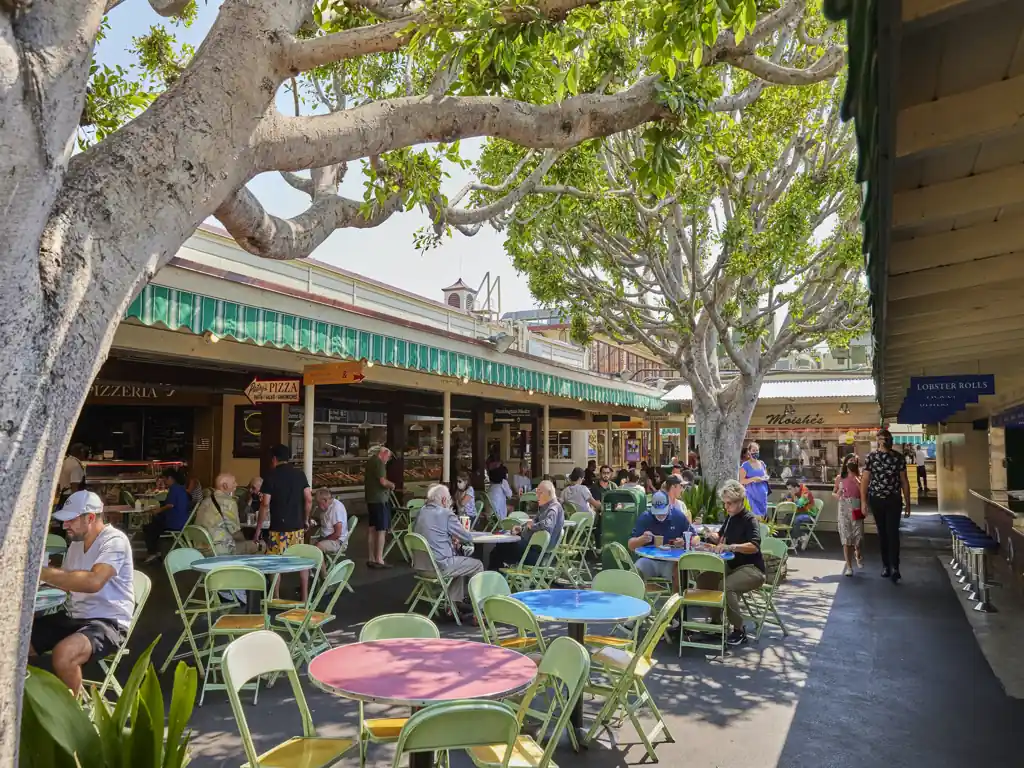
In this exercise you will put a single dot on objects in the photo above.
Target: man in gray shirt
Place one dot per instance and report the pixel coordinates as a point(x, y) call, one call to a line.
point(437, 523)
point(550, 518)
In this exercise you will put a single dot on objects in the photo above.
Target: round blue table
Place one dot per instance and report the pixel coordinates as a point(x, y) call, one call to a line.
point(577, 608)
point(266, 564)
point(49, 597)
point(652, 552)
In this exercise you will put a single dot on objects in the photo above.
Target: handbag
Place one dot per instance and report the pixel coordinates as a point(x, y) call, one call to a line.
point(858, 513)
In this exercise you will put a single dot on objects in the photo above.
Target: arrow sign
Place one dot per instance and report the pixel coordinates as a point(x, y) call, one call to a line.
point(273, 391)
point(334, 373)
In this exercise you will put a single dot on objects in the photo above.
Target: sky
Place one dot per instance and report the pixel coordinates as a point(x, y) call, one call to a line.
point(385, 253)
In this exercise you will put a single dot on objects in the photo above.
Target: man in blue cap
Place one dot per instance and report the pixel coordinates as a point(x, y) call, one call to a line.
point(663, 519)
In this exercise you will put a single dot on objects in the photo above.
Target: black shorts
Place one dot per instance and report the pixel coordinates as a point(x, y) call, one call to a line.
point(104, 635)
point(378, 515)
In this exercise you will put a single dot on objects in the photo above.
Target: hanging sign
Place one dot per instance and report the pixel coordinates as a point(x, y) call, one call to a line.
point(512, 415)
point(273, 391)
point(334, 373)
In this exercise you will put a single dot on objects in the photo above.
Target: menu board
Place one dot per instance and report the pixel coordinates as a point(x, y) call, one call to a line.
point(248, 429)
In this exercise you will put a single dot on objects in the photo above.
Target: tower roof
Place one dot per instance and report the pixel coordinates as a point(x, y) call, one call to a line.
point(459, 286)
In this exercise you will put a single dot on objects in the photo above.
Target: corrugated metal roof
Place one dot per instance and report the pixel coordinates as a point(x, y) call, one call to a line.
point(797, 389)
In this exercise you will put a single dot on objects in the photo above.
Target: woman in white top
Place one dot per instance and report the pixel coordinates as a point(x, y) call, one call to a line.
point(465, 496)
point(521, 482)
point(333, 522)
point(577, 493)
point(500, 492)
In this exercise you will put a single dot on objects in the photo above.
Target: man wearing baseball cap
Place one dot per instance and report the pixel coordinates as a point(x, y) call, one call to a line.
point(663, 519)
point(98, 573)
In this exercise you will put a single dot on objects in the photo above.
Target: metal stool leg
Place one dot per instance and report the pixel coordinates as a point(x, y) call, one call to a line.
point(984, 605)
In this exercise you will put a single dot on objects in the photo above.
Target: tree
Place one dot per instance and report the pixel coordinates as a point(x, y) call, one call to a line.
point(166, 145)
point(720, 245)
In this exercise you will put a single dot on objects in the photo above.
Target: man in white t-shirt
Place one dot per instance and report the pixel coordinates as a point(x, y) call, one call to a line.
point(98, 573)
point(72, 470)
point(921, 456)
point(333, 522)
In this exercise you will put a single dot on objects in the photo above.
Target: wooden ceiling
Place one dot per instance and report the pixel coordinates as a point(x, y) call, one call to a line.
point(955, 282)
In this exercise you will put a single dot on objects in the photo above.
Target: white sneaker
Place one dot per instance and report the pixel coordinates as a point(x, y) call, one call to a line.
point(804, 540)
point(847, 571)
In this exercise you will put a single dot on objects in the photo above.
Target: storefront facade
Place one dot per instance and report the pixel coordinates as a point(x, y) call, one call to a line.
point(433, 385)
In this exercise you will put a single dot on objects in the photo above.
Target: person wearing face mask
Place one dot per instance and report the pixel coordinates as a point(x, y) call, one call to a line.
point(883, 478)
point(665, 520)
point(465, 496)
point(754, 479)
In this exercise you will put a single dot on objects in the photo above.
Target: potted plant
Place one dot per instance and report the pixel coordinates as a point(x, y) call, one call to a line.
point(57, 732)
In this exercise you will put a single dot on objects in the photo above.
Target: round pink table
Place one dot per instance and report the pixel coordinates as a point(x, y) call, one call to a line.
point(418, 673)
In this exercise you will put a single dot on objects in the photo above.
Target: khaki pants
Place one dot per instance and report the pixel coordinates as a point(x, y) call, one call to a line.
point(746, 578)
point(458, 569)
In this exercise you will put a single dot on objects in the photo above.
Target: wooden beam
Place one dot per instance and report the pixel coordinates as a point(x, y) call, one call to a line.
point(956, 247)
point(948, 200)
point(995, 269)
point(956, 334)
point(950, 303)
point(974, 352)
point(991, 110)
point(925, 325)
point(941, 334)
point(926, 12)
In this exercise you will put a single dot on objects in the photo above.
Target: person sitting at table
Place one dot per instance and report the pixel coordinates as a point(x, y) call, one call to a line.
point(255, 496)
point(662, 519)
point(172, 515)
point(632, 480)
point(333, 523)
point(577, 492)
point(218, 514)
point(465, 496)
point(437, 523)
point(801, 495)
point(741, 535)
point(521, 482)
point(98, 573)
point(550, 518)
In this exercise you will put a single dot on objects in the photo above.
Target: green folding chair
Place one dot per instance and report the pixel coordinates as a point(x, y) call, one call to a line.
point(483, 585)
point(696, 563)
point(392, 626)
point(265, 653)
point(310, 552)
point(655, 590)
point(501, 611)
point(570, 556)
point(305, 626)
point(760, 604)
point(524, 576)
point(197, 537)
point(618, 582)
point(402, 521)
point(528, 502)
point(142, 585)
point(459, 725)
point(431, 589)
point(55, 542)
point(176, 536)
point(228, 626)
point(626, 694)
point(522, 517)
point(810, 535)
point(508, 524)
point(332, 558)
point(782, 523)
point(564, 671)
point(188, 609)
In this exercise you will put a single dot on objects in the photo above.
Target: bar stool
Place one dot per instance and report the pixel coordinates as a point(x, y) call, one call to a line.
point(978, 549)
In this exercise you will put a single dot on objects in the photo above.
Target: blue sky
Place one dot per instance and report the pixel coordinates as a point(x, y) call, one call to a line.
point(385, 253)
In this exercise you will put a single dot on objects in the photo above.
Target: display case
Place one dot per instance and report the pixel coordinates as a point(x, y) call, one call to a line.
point(348, 473)
point(117, 482)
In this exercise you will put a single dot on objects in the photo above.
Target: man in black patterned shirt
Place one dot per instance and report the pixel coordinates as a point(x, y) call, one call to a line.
point(884, 478)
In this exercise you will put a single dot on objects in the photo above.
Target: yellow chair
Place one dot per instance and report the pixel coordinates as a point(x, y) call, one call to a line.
point(265, 653)
point(697, 563)
point(620, 583)
point(310, 552)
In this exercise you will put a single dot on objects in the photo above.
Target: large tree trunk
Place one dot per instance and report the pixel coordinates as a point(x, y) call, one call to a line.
point(721, 426)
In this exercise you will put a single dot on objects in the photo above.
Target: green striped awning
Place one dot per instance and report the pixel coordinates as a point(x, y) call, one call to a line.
point(181, 310)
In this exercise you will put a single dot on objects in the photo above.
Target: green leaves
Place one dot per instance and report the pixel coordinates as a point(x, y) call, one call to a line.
point(57, 733)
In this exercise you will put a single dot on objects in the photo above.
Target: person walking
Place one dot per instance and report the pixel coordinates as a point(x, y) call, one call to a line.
point(851, 513)
point(754, 479)
point(288, 503)
point(921, 456)
point(884, 478)
point(377, 492)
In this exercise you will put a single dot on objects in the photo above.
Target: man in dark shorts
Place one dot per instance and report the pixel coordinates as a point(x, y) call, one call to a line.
point(377, 492)
point(98, 573)
point(288, 502)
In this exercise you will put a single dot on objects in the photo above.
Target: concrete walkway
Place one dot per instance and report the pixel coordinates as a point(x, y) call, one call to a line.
point(872, 675)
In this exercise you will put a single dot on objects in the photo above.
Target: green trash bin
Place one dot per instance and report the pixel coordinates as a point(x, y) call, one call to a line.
point(619, 511)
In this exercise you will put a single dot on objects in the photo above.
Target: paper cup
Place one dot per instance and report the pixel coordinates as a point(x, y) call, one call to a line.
point(464, 519)
point(659, 541)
